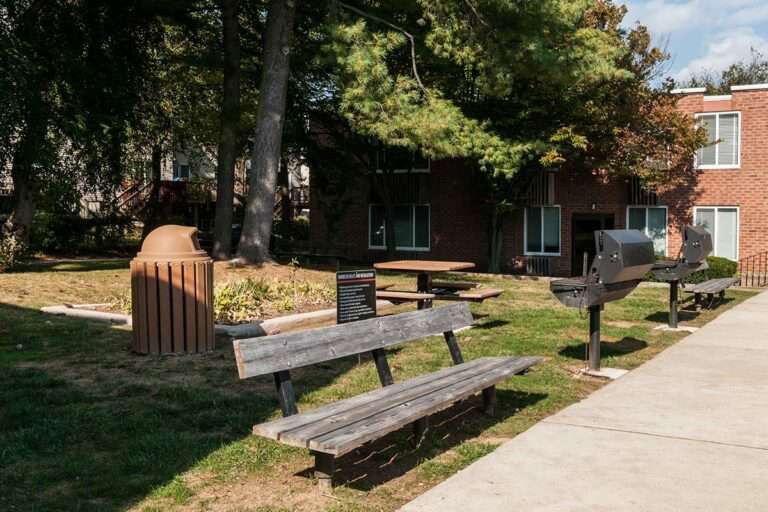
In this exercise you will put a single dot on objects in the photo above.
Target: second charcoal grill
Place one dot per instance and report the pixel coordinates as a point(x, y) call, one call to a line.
point(623, 257)
point(697, 245)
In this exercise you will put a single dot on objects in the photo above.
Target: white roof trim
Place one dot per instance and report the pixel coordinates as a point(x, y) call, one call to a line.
point(689, 90)
point(718, 98)
point(749, 87)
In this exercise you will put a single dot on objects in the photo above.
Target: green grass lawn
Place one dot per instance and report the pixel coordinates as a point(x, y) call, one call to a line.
point(86, 425)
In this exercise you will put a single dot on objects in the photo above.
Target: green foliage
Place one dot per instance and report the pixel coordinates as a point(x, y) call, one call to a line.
point(745, 72)
point(54, 232)
point(718, 268)
point(249, 299)
point(241, 301)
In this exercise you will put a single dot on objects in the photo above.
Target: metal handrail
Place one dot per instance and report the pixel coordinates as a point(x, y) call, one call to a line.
point(753, 270)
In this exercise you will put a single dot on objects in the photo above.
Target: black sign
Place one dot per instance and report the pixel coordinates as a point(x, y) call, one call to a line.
point(355, 295)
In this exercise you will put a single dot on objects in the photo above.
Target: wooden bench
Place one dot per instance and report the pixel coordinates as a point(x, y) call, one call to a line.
point(382, 286)
point(476, 295)
point(398, 296)
point(332, 430)
point(710, 288)
point(454, 285)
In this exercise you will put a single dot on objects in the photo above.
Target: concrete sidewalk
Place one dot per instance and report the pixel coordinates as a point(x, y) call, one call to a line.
point(687, 431)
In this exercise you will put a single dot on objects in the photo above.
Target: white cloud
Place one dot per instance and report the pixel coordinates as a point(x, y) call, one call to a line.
point(666, 16)
point(726, 48)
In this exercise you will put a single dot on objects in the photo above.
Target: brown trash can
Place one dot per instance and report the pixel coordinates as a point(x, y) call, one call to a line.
point(172, 294)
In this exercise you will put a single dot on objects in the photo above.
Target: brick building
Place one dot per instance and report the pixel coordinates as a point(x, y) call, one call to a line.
point(442, 212)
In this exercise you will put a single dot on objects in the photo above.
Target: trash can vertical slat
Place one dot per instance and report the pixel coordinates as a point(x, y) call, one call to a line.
point(164, 303)
point(200, 300)
point(177, 297)
point(189, 307)
point(153, 318)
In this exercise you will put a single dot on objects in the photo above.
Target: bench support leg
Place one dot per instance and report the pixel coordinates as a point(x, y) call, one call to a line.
point(424, 285)
point(325, 465)
point(697, 301)
point(489, 400)
point(420, 428)
point(453, 347)
point(673, 303)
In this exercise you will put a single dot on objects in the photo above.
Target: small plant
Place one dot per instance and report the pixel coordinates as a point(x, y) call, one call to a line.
point(11, 250)
point(122, 302)
point(241, 301)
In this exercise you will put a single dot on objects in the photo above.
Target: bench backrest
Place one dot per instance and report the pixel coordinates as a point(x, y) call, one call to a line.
point(272, 354)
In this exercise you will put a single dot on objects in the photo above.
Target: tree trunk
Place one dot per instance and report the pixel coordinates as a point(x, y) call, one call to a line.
point(230, 121)
point(153, 204)
point(282, 184)
point(19, 223)
point(270, 118)
point(497, 241)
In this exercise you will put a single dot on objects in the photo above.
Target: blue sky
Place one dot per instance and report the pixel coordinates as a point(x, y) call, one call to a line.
point(703, 34)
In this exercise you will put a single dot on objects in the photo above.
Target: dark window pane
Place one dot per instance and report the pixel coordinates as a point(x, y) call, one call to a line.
point(552, 230)
point(533, 230)
point(637, 219)
point(403, 220)
point(377, 226)
point(422, 226)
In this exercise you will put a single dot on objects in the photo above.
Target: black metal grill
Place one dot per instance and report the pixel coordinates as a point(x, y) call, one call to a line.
point(697, 245)
point(623, 258)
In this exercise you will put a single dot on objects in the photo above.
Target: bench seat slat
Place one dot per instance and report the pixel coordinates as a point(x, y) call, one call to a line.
point(454, 285)
point(275, 429)
point(259, 356)
point(403, 296)
point(388, 398)
point(713, 285)
point(350, 437)
point(476, 295)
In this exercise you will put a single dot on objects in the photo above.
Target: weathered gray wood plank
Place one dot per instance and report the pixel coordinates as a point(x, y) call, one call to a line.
point(713, 285)
point(350, 437)
point(258, 356)
point(386, 401)
point(412, 387)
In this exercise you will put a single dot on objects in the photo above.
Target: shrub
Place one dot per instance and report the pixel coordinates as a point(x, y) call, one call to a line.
point(718, 267)
point(240, 301)
point(11, 250)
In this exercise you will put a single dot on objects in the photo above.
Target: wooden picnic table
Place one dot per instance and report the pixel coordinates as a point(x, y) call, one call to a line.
point(424, 270)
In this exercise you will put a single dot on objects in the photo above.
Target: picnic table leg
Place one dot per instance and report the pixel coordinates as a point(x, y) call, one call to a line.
point(489, 400)
point(673, 304)
point(697, 301)
point(325, 465)
point(424, 285)
point(711, 299)
point(420, 427)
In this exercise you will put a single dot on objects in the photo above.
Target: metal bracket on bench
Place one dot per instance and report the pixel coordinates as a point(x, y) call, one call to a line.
point(285, 393)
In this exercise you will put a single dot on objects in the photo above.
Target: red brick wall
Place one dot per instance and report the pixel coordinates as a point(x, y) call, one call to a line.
point(459, 215)
point(458, 220)
point(745, 187)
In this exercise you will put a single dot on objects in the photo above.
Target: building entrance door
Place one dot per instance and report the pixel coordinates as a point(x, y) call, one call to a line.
point(583, 227)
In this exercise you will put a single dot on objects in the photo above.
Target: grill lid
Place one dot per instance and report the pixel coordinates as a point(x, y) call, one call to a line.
point(697, 244)
point(622, 255)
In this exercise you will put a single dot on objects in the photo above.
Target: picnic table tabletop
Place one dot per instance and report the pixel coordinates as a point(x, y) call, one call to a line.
point(423, 265)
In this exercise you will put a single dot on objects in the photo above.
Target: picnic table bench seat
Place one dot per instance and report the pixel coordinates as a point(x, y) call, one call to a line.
point(334, 429)
point(475, 295)
point(710, 288)
point(401, 296)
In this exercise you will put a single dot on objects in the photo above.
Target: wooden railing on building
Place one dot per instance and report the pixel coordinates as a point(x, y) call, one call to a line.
point(639, 195)
point(753, 271)
point(541, 191)
point(538, 266)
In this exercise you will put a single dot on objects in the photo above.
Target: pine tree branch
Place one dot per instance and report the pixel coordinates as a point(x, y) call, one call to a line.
point(399, 29)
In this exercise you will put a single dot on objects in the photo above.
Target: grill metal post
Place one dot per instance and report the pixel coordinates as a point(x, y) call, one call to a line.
point(673, 285)
point(594, 338)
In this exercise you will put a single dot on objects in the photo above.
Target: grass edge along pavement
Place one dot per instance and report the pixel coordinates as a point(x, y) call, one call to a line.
point(87, 425)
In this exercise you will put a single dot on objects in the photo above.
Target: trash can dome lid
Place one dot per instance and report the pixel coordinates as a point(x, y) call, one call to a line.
point(172, 242)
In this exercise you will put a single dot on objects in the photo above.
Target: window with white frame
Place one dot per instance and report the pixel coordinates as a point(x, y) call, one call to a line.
point(411, 224)
point(652, 221)
point(724, 138)
point(180, 171)
point(722, 222)
point(542, 230)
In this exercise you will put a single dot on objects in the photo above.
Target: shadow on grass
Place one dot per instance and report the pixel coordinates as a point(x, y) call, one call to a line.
point(491, 324)
point(87, 425)
point(624, 346)
point(397, 453)
point(72, 265)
